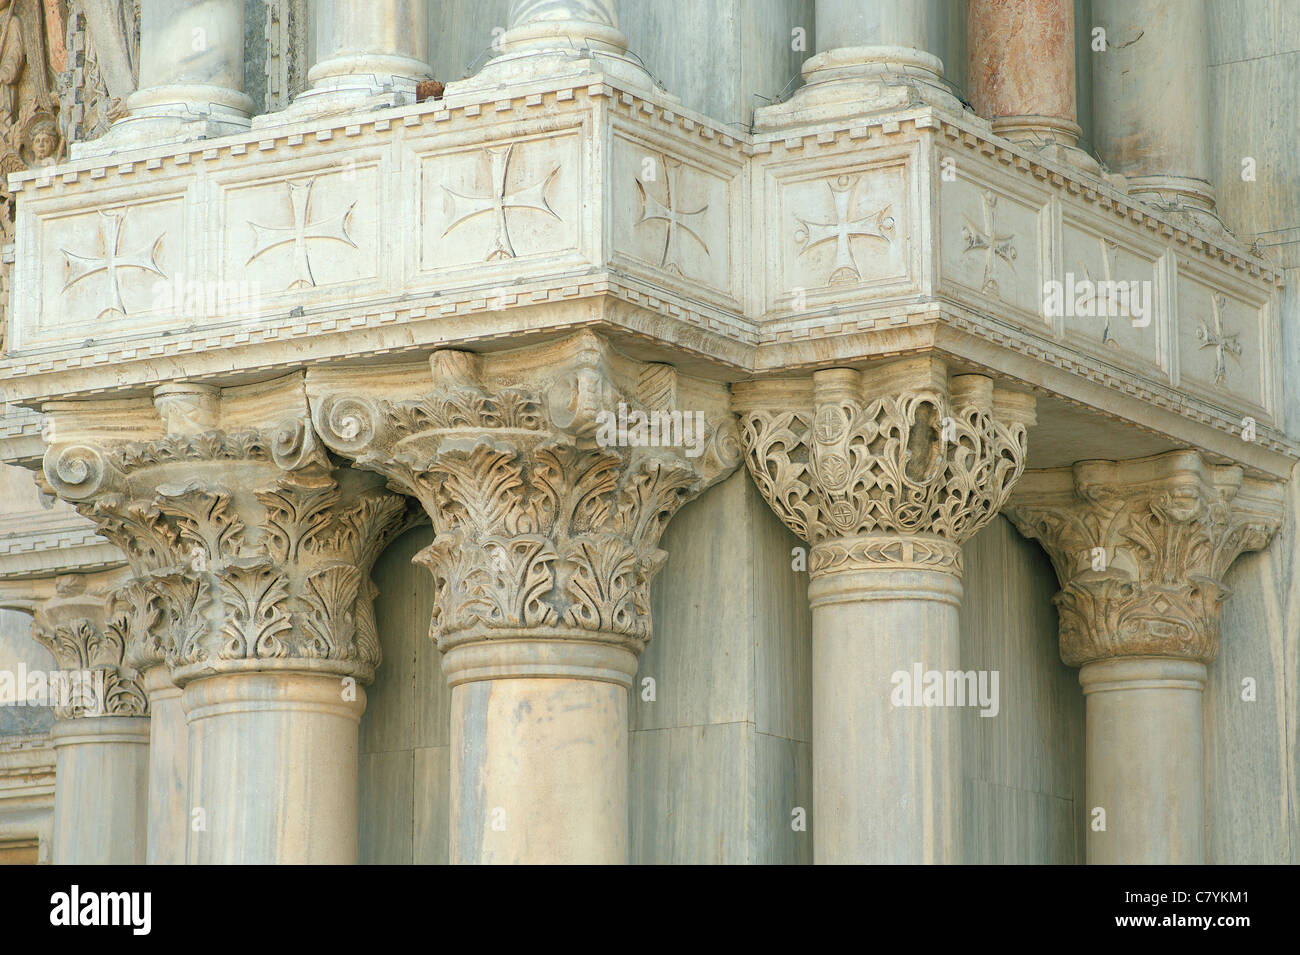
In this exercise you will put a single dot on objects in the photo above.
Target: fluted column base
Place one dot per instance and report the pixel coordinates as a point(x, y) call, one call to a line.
point(886, 777)
point(539, 743)
point(273, 768)
point(101, 787)
point(1144, 761)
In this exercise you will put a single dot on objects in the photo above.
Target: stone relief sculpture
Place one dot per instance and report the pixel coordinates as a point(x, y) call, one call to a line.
point(32, 54)
point(66, 68)
point(103, 42)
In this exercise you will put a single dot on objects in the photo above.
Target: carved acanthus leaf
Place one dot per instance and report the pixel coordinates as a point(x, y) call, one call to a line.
point(1141, 549)
point(243, 547)
point(540, 520)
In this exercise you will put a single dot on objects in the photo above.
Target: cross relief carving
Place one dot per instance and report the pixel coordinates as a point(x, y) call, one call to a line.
point(300, 233)
point(112, 261)
point(679, 220)
point(842, 229)
point(1222, 343)
point(499, 201)
point(993, 244)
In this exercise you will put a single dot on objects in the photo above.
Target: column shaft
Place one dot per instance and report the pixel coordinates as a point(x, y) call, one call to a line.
point(870, 57)
point(273, 769)
point(539, 770)
point(886, 778)
point(191, 77)
point(1021, 77)
point(1151, 98)
point(169, 811)
point(1141, 548)
point(1144, 761)
point(906, 24)
point(365, 51)
point(549, 38)
point(100, 794)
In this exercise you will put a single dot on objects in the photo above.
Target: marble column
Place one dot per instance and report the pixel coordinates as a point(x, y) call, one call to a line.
point(367, 54)
point(885, 473)
point(169, 811)
point(101, 731)
point(870, 57)
point(191, 77)
point(1141, 549)
point(250, 552)
point(556, 38)
point(1151, 101)
point(1021, 72)
point(547, 519)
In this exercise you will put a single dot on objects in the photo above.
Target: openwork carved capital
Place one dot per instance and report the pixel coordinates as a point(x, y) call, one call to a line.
point(549, 474)
point(95, 679)
point(1141, 549)
point(248, 548)
point(893, 466)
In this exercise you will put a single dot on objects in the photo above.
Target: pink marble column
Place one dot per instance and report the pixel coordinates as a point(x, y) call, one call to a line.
point(1022, 68)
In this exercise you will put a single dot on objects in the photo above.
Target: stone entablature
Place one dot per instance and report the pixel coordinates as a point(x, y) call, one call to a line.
point(561, 206)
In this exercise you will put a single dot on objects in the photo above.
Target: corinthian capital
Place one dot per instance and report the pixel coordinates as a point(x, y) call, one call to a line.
point(897, 465)
point(72, 618)
point(549, 474)
point(248, 548)
point(1141, 549)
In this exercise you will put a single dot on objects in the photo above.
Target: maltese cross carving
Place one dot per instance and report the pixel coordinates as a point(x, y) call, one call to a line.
point(461, 208)
point(300, 233)
point(1222, 344)
point(995, 245)
point(112, 262)
point(843, 229)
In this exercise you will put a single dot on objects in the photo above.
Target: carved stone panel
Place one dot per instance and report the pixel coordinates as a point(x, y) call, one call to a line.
point(490, 204)
point(675, 219)
point(838, 229)
point(1224, 344)
point(991, 246)
point(314, 226)
point(1111, 297)
point(106, 270)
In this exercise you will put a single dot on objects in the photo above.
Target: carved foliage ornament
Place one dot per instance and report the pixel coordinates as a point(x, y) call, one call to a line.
point(243, 545)
point(1142, 556)
point(89, 648)
point(899, 477)
point(539, 524)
